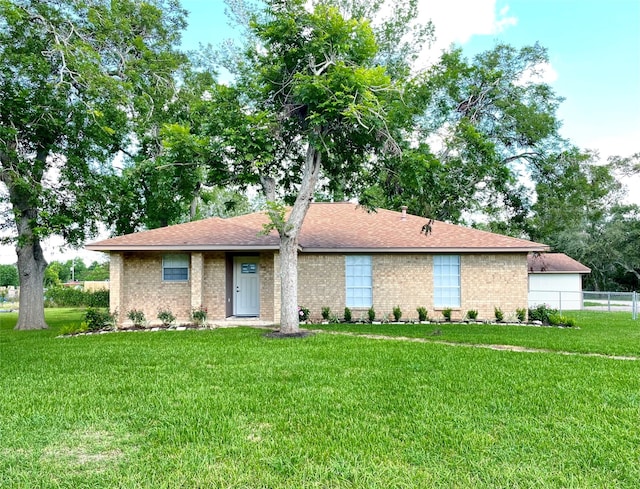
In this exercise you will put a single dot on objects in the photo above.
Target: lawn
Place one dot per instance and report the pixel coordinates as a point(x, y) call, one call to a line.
point(230, 408)
point(613, 333)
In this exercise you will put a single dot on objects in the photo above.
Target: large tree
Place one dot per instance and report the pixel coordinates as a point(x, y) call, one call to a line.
point(75, 77)
point(489, 121)
point(320, 93)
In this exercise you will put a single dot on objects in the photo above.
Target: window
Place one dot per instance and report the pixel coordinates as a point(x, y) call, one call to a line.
point(446, 281)
point(358, 280)
point(175, 268)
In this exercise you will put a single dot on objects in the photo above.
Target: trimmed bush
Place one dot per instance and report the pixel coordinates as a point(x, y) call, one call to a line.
point(423, 314)
point(542, 313)
point(71, 297)
point(446, 314)
point(347, 315)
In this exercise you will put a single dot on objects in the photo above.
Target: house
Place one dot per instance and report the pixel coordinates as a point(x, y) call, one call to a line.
point(555, 279)
point(348, 257)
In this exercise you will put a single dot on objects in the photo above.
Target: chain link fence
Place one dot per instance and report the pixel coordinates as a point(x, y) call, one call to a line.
point(586, 301)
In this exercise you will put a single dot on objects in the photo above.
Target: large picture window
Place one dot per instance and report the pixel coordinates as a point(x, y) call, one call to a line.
point(358, 280)
point(446, 281)
point(175, 268)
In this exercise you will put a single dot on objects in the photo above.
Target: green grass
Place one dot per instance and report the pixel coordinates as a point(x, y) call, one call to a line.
point(229, 408)
point(597, 332)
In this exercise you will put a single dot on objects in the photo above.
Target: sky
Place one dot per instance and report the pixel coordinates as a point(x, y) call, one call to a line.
point(593, 47)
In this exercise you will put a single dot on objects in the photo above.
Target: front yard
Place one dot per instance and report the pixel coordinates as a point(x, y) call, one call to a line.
point(229, 408)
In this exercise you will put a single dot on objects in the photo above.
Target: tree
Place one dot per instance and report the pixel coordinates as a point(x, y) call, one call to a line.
point(76, 77)
point(316, 105)
point(488, 121)
point(8, 276)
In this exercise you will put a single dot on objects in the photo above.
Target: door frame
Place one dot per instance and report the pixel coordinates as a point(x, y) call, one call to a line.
point(235, 262)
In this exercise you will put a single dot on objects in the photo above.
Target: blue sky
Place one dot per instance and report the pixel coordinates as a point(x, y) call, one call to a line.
point(594, 50)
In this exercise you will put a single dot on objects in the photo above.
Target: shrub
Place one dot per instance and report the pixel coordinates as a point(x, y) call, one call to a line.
point(521, 314)
point(199, 315)
point(560, 320)
point(334, 319)
point(397, 313)
point(71, 297)
point(326, 313)
point(541, 313)
point(472, 314)
point(423, 315)
point(446, 313)
point(347, 315)
point(137, 317)
point(498, 314)
point(371, 313)
point(71, 328)
point(303, 313)
point(97, 319)
point(166, 316)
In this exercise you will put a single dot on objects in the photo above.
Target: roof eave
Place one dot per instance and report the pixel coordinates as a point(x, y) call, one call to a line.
point(421, 250)
point(123, 248)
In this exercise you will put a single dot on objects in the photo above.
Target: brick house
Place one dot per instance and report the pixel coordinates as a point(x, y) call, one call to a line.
point(347, 257)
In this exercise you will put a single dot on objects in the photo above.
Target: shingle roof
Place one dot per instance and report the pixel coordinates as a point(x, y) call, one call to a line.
point(554, 263)
point(328, 227)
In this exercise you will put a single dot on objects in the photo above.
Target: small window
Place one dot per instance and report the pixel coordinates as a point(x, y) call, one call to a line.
point(175, 268)
point(446, 281)
point(358, 278)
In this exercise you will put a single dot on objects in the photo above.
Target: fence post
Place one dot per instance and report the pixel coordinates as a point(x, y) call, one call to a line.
point(560, 301)
point(609, 301)
point(634, 305)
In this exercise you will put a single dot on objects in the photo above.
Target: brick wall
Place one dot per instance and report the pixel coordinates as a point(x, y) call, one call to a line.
point(404, 280)
point(321, 283)
point(143, 289)
point(489, 281)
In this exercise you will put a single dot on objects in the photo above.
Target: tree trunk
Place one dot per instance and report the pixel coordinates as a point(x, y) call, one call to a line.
point(289, 236)
point(31, 261)
point(31, 267)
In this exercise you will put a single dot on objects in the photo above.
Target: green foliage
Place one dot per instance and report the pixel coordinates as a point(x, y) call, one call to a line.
point(347, 315)
point(446, 313)
point(484, 114)
point(521, 314)
point(472, 314)
point(499, 315)
point(543, 313)
point(479, 388)
point(303, 313)
point(9, 276)
point(137, 317)
point(423, 314)
point(199, 315)
point(556, 319)
point(326, 313)
point(73, 328)
point(397, 313)
point(371, 314)
point(74, 297)
point(97, 319)
point(166, 316)
point(80, 81)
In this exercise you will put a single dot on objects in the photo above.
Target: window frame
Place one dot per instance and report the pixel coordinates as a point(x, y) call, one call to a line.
point(443, 285)
point(358, 301)
point(178, 257)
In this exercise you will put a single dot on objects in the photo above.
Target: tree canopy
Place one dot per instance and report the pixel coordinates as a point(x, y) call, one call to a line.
point(77, 77)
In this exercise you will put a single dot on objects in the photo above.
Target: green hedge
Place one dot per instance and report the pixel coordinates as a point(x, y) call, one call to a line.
point(70, 297)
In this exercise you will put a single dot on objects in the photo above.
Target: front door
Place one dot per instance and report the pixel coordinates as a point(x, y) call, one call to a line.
point(246, 286)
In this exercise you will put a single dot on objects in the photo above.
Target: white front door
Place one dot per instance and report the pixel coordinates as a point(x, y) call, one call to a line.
point(246, 286)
